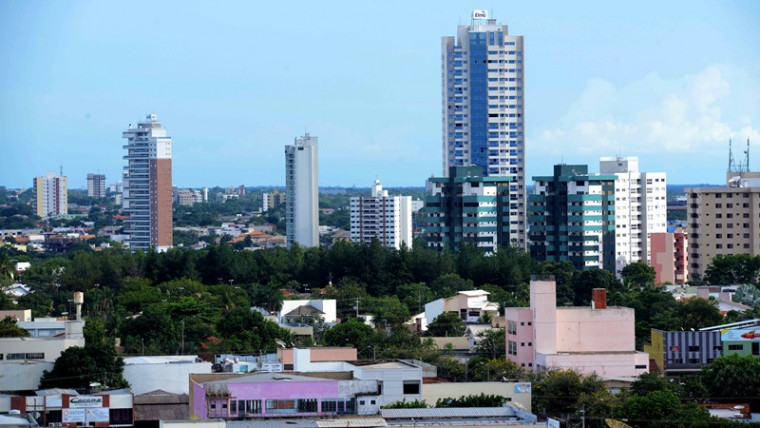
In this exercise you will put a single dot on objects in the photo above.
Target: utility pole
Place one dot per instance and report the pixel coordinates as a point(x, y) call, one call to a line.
point(183, 337)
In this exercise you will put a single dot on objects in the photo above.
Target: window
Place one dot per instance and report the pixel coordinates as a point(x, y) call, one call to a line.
point(735, 347)
point(411, 387)
point(641, 366)
point(329, 405)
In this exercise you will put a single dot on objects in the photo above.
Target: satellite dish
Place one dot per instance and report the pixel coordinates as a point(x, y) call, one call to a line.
point(613, 423)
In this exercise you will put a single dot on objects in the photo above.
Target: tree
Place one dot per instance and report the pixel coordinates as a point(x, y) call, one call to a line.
point(638, 275)
point(696, 313)
point(733, 377)
point(482, 400)
point(563, 274)
point(416, 404)
point(586, 280)
point(447, 324)
point(8, 328)
point(559, 393)
point(660, 408)
point(352, 332)
point(733, 269)
point(77, 367)
point(491, 343)
point(497, 369)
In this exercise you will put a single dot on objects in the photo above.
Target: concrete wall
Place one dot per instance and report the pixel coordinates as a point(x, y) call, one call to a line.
point(22, 375)
point(517, 393)
point(590, 330)
point(603, 364)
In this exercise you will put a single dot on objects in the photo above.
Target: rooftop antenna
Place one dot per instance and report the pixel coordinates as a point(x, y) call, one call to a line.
point(746, 157)
point(730, 157)
point(61, 170)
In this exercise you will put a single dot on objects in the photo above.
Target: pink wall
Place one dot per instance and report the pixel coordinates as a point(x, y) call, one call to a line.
point(589, 330)
point(663, 261)
point(523, 317)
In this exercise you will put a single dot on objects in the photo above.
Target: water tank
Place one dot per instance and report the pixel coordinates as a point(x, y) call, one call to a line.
point(78, 298)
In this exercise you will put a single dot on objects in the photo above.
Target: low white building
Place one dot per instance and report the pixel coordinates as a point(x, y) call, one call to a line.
point(292, 309)
point(470, 305)
point(169, 373)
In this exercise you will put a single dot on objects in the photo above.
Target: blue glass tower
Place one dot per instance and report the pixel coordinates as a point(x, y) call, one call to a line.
point(483, 108)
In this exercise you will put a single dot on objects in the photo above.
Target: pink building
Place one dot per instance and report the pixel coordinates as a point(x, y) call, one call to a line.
point(596, 339)
point(669, 257)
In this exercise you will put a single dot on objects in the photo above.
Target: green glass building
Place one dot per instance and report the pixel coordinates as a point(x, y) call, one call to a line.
point(467, 207)
point(571, 216)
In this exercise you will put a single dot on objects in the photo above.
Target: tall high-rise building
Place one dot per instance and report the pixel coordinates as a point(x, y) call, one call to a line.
point(572, 217)
point(483, 108)
point(640, 208)
point(96, 185)
point(302, 192)
point(380, 216)
point(723, 221)
point(147, 185)
point(51, 194)
point(467, 208)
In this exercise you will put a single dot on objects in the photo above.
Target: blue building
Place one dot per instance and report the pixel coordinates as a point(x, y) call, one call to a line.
point(483, 108)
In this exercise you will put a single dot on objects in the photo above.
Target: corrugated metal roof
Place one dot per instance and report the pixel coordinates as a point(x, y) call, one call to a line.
point(448, 412)
point(353, 422)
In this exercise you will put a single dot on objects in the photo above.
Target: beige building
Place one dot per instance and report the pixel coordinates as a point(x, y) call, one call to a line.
point(51, 195)
point(723, 221)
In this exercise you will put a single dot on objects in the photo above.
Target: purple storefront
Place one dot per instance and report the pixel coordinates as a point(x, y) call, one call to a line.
point(268, 395)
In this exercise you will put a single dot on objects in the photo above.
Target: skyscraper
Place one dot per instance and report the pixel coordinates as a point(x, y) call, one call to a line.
point(147, 185)
point(380, 216)
point(572, 217)
point(302, 190)
point(640, 208)
point(51, 194)
point(483, 108)
point(96, 185)
point(467, 208)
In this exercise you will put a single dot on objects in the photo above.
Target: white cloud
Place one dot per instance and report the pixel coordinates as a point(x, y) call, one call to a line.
point(697, 112)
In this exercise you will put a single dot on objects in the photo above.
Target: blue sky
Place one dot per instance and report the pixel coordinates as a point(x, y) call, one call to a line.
point(233, 82)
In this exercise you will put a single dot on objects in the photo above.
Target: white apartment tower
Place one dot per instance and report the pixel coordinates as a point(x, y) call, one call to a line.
point(51, 194)
point(640, 208)
point(302, 190)
point(483, 108)
point(387, 218)
point(96, 185)
point(147, 186)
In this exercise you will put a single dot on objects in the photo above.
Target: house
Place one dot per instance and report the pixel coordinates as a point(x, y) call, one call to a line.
point(294, 311)
point(471, 305)
point(596, 339)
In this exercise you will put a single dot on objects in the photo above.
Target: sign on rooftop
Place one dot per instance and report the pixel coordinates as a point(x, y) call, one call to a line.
point(480, 14)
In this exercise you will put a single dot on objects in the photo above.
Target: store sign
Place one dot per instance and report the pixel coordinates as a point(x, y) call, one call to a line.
point(522, 388)
point(97, 415)
point(72, 415)
point(83, 401)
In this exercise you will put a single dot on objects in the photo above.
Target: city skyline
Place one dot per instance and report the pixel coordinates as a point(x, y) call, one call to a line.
point(669, 83)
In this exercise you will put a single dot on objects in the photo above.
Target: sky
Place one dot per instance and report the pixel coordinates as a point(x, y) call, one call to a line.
point(233, 82)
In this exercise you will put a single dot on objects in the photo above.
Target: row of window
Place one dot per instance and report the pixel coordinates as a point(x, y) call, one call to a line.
point(24, 356)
